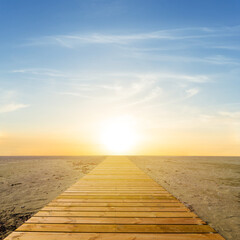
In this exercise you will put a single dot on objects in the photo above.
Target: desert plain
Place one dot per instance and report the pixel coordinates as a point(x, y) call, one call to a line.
point(210, 186)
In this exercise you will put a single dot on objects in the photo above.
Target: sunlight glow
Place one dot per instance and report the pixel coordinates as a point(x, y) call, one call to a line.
point(119, 135)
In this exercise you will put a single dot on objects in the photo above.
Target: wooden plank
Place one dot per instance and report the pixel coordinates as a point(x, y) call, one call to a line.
point(107, 185)
point(117, 187)
point(96, 204)
point(115, 214)
point(111, 228)
point(117, 209)
point(109, 236)
point(117, 173)
point(114, 197)
point(79, 192)
point(113, 194)
point(116, 220)
point(116, 190)
point(117, 200)
point(118, 177)
point(82, 188)
point(108, 177)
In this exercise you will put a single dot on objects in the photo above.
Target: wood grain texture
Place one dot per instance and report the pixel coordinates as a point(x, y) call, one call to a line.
point(111, 228)
point(109, 236)
point(116, 214)
point(126, 204)
point(117, 209)
point(116, 220)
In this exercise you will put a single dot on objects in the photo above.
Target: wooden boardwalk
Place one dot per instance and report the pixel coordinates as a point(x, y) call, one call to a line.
point(116, 200)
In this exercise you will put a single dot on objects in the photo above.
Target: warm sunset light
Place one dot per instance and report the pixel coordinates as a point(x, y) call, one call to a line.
point(119, 119)
point(170, 66)
point(119, 135)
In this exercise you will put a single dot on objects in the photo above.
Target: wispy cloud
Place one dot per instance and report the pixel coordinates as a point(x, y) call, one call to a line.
point(132, 89)
point(83, 79)
point(221, 60)
point(40, 71)
point(152, 95)
point(97, 38)
point(191, 92)
point(227, 47)
point(123, 89)
point(9, 101)
point(167, 76)
point(224, 117)
point(78, 94)
point(216, 59)
point(12, 107)
point(232, 114)
point(72, 40)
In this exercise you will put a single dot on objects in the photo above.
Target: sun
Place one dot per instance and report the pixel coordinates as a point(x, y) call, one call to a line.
point(118, 135)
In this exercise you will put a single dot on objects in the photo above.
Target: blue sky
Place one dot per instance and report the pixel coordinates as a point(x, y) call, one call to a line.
point(65, 66)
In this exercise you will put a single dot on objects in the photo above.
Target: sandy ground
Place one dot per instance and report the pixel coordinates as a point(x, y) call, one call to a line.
point(208, 185)
point(29, 183)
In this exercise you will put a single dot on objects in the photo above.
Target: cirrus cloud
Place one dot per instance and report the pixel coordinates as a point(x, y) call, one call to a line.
point(12, 107)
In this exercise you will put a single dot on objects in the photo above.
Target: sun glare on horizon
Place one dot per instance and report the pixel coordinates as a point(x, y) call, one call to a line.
point(119, 135)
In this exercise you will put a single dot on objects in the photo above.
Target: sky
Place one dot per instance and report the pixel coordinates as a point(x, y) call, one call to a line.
point(170, 69)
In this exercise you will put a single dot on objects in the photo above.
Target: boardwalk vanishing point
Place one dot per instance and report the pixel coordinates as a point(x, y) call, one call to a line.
point(115, 201)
